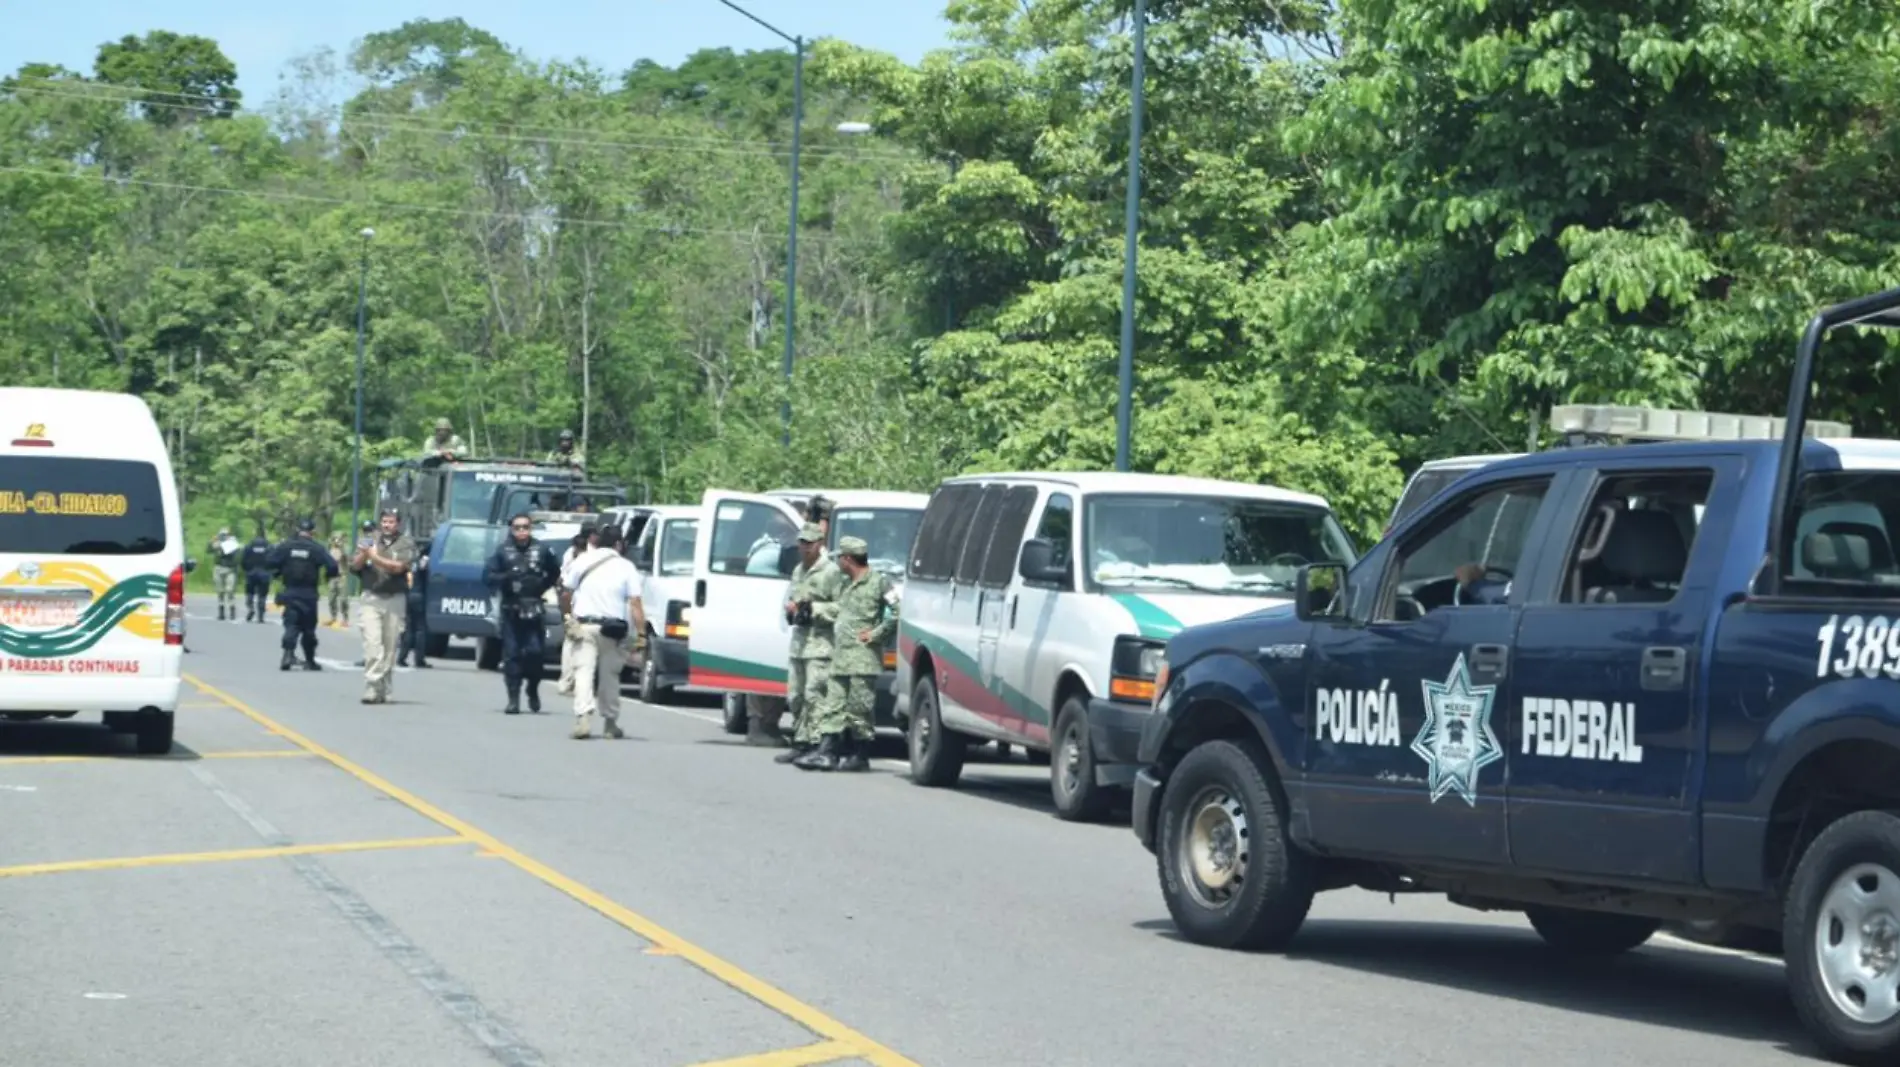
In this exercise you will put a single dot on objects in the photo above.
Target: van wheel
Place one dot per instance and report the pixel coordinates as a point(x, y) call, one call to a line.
point(1072, 767)
point(732, 711)
point(154, 734)
point(650, 674)
point(488, 654)
point(1841, 938)
point(936, 754)
point(1590, 933)
point(1229, 873)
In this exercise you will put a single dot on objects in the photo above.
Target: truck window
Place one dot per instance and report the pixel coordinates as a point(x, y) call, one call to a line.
point(750, 539)
point(676, 547)
point(1425, 485)
point(469, 545)
point(1843, 535)
point(888, 533)
point(1636, 537)
point(55, 505)
point(1488, 530)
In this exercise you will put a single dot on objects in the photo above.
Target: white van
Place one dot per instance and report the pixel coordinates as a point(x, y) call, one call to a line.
point(92, 563)
point(744, 551)
point(663, 554)
point(1004, 637)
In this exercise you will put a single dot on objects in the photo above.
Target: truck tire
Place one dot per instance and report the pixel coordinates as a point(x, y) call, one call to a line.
point(1229, 874)
point(936, 754)
point(1072, 782)
point(1591, 933)
point(733, 713)
point(1841, 938)
point(153, 734)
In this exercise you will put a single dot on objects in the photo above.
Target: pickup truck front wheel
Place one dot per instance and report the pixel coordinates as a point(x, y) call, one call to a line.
point(1591, 933)
point(1230, 876)
point(1841, 938)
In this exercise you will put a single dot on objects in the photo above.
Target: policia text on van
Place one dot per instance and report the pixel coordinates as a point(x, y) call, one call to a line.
point(1670, 692)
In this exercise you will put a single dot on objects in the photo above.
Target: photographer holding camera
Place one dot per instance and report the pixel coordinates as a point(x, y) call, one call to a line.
point(815, 579)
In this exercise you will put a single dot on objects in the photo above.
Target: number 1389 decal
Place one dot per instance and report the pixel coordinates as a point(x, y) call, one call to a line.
point(1867, 647)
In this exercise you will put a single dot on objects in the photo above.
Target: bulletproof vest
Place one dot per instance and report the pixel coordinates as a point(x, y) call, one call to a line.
point(300, 565)
point(524, 580)
point(256, 556)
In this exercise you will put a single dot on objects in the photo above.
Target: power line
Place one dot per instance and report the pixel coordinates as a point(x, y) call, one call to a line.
point(386, 206)
point(401, 122)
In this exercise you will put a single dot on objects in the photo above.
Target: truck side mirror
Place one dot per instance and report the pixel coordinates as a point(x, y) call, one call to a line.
point(1319, 592)
point(1039, 563)
point(190, 565)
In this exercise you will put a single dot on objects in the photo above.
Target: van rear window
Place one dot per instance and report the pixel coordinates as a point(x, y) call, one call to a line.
point(53, 505)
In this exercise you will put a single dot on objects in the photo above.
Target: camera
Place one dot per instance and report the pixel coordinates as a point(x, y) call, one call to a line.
point(802, 617)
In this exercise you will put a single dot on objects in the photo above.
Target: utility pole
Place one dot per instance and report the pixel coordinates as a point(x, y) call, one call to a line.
point(1125, 407)
point(356, 466)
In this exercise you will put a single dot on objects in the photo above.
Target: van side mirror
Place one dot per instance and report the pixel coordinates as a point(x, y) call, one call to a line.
point(1319, 591)
point(190, 565)
point(1039, 564)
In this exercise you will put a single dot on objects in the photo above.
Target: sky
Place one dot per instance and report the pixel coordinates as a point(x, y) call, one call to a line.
point(261, 37)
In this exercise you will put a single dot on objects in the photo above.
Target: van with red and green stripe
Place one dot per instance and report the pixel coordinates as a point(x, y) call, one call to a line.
point(1037, 605)
point(92, 564)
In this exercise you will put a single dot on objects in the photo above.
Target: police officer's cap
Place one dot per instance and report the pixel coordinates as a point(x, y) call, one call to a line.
point(305, 525)
point(810, 532)
point(853, 546)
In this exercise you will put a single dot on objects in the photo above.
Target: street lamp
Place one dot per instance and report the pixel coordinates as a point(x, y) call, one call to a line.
point(356, 467)
point(1125, 408)
point(791, 232)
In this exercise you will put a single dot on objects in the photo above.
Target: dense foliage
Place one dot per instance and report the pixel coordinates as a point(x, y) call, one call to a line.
point(1371, 233)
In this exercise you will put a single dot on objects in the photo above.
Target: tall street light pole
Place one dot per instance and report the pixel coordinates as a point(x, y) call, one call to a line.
point(356, 467)
point(1125, 408)
point(791, 232)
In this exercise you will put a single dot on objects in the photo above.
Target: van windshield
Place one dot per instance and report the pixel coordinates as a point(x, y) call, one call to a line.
point(1208, 544)
point(887, 532)
point(89, 507)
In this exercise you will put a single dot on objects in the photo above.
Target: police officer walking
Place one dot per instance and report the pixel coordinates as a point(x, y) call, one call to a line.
point(521, 572)
point(257, 572)
point(415, 634)
point(865, 617)
point(383, 565)
point(300, 563)
point(224, 570)
point(816, 580)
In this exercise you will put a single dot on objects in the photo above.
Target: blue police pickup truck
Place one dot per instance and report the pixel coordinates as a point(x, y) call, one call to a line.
point(1608, 687)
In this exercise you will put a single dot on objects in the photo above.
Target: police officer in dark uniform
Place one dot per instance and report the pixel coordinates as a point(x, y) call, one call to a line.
point(300, 563)
point(521, 572)
point(415, 616)
point(256, 563)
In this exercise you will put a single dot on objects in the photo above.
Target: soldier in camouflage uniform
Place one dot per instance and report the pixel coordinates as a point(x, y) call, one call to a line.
point(445, 442)
point(565, 452)
point(340, 584)
point(864, 617)
point(815, 581)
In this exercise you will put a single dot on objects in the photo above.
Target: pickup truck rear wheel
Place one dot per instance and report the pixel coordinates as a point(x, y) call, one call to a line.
point(1228, 872)
point(1841, 938)
point(1591, 933)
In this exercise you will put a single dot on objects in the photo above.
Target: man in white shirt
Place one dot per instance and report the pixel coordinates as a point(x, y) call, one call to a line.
point(597, 595)
point(570, 637)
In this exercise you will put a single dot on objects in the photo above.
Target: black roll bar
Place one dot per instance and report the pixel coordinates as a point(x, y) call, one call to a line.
point(1876, 310)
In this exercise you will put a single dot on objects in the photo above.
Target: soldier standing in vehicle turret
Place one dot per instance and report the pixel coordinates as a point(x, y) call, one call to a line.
point(565, 452)
point(445, 443)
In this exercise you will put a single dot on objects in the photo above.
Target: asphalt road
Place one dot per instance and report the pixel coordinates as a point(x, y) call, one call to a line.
point(308, 880)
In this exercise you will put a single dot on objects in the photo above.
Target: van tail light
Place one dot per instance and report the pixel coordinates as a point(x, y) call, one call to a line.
point(175, 607)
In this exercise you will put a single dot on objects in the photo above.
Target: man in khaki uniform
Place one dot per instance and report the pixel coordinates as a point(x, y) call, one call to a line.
point(816, 580)
point(865, 618)
point(383, 566)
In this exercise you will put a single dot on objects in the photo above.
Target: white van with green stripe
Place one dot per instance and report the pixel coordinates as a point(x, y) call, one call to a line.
point(1036, 607)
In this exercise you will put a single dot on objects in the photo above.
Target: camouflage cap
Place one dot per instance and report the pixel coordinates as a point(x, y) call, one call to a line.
point(853, 546)
point(567, 435)
point(810, 532)
point(444, 424)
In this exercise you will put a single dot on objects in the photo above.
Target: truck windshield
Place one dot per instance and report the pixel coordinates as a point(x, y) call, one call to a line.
point(887, 532)
point(468, 545)
point(556, 497)
point(1208, 544)
point(676, 547)
point(95, 507)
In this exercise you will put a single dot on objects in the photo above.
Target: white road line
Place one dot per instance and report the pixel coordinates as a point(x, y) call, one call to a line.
point(1717, 950)
point(714, 719)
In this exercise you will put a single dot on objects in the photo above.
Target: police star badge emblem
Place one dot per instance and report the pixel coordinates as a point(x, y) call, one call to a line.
point(1456, 742)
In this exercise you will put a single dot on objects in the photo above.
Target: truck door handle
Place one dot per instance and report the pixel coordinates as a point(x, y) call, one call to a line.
point(1665, 667)
point(699, 593)
point(1490, 659)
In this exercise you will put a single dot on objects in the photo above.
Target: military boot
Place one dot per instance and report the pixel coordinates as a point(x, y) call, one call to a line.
point(310, 664)
point(799, 748)
point(855, 754)
point(822, 758)
point(290, 658)
point(514, 703)
point(534, 698)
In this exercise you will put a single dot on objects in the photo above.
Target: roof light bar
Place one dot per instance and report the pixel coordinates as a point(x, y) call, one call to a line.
point(1661, 424)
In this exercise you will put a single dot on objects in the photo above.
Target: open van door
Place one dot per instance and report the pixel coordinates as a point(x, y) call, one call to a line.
point(743, 555)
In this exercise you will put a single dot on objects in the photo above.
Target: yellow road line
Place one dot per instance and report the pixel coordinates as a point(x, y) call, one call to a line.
point(264, 753)
point(176, 858)
point(757, 988)
point(802, 1056)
